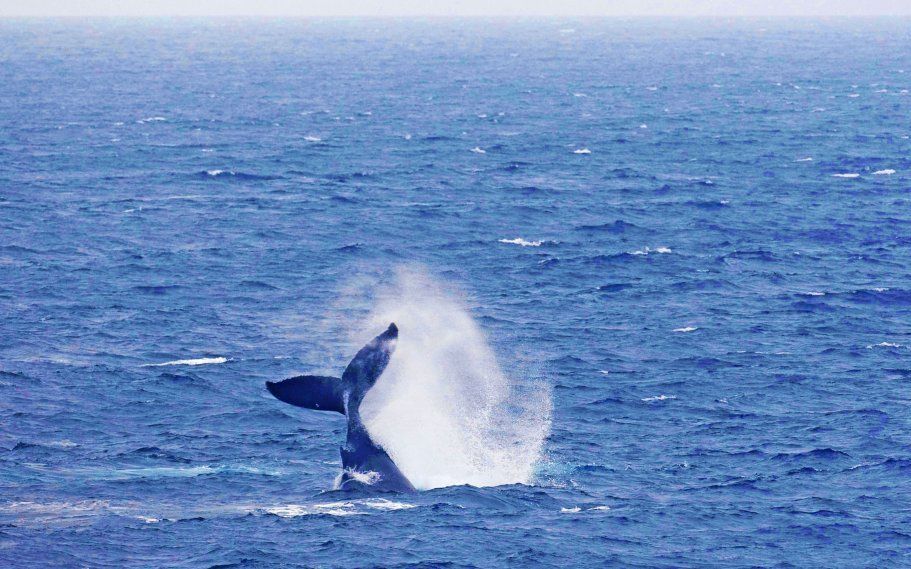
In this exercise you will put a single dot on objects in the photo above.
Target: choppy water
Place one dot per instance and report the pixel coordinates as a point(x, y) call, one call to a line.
point(682, 247)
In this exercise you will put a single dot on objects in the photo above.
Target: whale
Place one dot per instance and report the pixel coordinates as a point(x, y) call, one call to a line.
point(365, 464)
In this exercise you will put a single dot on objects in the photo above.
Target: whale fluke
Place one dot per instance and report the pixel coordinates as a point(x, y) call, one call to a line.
point(311, 392)
point(363, 460)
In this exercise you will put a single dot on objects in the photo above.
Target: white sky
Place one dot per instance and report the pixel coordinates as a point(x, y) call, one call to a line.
point(454, 7)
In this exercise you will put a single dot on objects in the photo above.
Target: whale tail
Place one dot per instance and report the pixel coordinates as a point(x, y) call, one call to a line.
point(311, 392)
point(362, 458)
point(342, 395)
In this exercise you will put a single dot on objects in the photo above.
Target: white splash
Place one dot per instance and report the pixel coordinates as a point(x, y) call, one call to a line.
point(685, 329)
point(847, 175)
point(807, 159)
point(194, 362)
point(582, 151)
point(443, 409)
point(370, 477)
point(478, 150)
point(311, 138)
point(886, 172)
point(522, 242)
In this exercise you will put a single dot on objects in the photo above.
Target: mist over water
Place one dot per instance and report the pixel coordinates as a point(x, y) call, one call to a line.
point(444, 409)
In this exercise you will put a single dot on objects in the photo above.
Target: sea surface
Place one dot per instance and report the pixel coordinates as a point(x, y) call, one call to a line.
point(652, 277)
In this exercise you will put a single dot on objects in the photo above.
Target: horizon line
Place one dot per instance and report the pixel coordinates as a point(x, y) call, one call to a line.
point(374, 16)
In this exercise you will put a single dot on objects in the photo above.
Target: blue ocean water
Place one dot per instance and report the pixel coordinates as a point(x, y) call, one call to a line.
point(695, 234)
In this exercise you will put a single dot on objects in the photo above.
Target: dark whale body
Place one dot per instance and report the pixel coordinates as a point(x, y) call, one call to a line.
point(364, 462)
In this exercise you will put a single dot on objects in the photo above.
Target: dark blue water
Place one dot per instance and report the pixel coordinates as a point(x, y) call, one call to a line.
point(718, 294)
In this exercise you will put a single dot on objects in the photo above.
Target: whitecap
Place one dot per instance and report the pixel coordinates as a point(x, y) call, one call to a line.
point(582, 151)
point(598, 509)
point(686, 329)
point(192, 362)
point(814, 293)
point(647, 250)
point(846, 175)
point(659, 398)
point(579, 95)
point(522, 242)
point(478, 150)
point(807, 159)
point(575, 510)
point(311, 138)
point(885, 345)
point(886, 172)
point(152, 119)
point(643, 125)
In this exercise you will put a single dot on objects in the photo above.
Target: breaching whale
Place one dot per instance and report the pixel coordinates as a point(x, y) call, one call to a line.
point(363, 461)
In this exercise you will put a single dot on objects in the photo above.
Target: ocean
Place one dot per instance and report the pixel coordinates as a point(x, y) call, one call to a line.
point(651, 276)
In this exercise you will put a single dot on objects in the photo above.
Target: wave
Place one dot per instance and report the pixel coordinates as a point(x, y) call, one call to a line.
point(885, 345)
point(614, 287)
point(343, 508)
point(881, 295)
point(191, 362)
point(522, 242)
point(659, 398)
point(156, 472)
point(156, 289)
point(618, 226)
point(233, 175)
point(648, 250)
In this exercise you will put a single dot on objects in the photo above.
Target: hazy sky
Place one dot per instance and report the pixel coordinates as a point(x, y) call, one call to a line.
point(455, 7)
